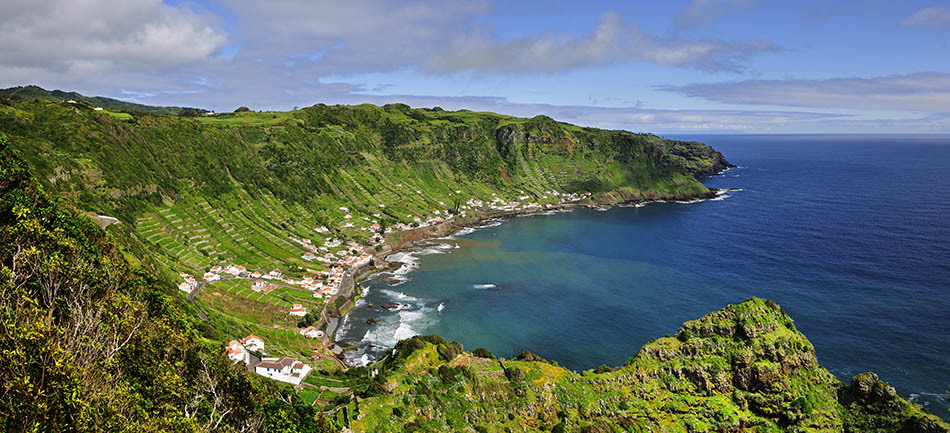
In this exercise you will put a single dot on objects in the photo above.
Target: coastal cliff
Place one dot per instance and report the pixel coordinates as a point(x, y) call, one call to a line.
point(92, 345)
point(743, 368)
point(97, 338)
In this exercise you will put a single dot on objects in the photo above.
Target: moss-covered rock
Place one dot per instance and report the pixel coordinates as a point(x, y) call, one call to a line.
point(743, 368)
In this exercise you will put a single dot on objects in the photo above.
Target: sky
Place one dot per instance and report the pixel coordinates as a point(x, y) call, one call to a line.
point(674, 67)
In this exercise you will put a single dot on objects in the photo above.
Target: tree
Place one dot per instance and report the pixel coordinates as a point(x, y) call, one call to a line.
point(242, 109)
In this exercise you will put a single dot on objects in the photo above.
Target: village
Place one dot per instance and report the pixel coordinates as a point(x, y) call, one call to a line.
point(335, 257)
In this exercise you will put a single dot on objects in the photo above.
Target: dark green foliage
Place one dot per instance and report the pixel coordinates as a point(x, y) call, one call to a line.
point(602, 369)
point(515, 374)
point(242, 109)
point(309, 319)
point(446, 374)
point(88, 344)
point(450, 350)
point(482, 352)
point(526, 355)
point(295, 416)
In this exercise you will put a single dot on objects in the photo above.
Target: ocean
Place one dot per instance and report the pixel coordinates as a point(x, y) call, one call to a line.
point(850, 234)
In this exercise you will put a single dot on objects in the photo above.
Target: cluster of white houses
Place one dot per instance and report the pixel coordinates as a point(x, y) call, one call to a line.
point(189, 283)
point(288, 370)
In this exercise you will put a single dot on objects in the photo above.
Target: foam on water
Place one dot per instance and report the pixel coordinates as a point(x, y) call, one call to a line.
point(465, 231)
point(399, 296)
point(484, 286)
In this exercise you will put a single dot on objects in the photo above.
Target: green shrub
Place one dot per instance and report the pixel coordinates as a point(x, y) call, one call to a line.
point(482, 352)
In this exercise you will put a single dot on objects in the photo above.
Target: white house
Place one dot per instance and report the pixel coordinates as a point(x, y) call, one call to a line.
point(311, 332)
point(235, 270)
point(258, 285)
point(285, 369)
point(209, 276)
point(184, 287)
point(253, 342)
point(298, 310)
point(236, 352)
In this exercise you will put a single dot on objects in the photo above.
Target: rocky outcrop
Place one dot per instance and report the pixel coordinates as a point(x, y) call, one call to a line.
point(697, 158)
point(743, 368)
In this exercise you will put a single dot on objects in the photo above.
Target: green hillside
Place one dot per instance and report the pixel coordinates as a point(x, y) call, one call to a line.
point(89, 343)
point(245, 188)
point(114, 105)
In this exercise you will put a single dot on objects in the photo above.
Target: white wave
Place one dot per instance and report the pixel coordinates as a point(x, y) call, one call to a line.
point(441, 307)
point(392, 329)
point(484, 286)
point(495, 222)
point(408, 260)
point(464, 231)
point(399, 295)
point(434, 249)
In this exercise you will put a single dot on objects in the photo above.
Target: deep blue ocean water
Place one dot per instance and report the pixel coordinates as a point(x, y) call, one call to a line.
point(850, 234)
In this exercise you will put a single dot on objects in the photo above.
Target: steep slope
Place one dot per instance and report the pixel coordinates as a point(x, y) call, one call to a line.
point(87, 344)
point(743, 368)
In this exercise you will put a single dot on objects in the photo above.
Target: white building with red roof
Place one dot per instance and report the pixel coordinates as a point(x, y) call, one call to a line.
point(285, 369)
point(311, 332)
point(298, 310)
point(236, 352)
point(253, 342)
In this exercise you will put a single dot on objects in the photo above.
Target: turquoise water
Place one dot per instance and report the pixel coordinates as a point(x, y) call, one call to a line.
point(850, 234)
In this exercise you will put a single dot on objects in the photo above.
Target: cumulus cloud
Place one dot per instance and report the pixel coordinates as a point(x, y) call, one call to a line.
point(86, 37)
point(700, 12)
point(935, 17)
point(442, 37)
point(612, 42)
point(351, 36)
point(920, 92)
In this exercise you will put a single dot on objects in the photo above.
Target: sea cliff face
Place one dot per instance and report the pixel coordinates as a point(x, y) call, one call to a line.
point(743, 368)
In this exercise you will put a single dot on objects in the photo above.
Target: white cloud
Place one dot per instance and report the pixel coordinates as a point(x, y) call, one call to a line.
point(86, 37)
point(611, 42)
point(935, 17)
point(920, 92)
point(442, 37)
point(351, 36)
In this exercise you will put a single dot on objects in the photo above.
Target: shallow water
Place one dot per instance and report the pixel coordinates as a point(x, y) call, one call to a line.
point(850, 234)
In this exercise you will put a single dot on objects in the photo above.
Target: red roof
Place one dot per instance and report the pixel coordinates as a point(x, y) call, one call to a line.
point(249, 337)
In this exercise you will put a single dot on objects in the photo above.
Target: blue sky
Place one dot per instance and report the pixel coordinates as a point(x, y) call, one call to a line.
point(690, 66)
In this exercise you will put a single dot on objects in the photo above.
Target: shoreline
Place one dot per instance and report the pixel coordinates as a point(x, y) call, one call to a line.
point(409, 239)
